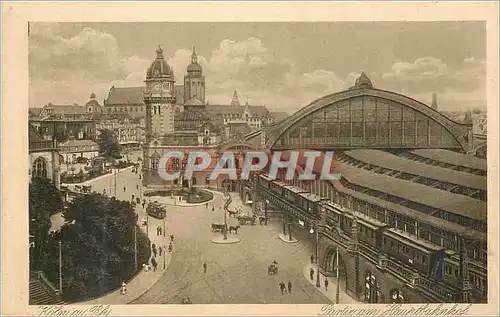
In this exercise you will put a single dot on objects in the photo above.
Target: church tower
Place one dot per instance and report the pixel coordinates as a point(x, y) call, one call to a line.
point(194, 81)
point(235, 101)
point(159, 98)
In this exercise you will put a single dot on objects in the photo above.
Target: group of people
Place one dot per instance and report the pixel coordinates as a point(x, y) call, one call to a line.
point(284, 287)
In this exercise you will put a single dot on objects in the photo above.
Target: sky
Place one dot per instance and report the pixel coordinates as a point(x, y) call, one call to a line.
point(284, 66)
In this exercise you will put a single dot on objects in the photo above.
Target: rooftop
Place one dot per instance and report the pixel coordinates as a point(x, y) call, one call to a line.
point(418, 193)
point(393, 162)
point(125, 95)
point(453, 158)
point(79, 143)
point(435, 222)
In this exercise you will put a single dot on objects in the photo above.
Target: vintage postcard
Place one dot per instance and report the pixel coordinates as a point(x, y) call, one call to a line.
point(250, 158)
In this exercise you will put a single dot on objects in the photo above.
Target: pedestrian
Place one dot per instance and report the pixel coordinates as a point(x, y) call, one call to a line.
point(289, 287)
point(123, 289)
point(172, 237)
point(326, 284)
point(170, 247)
point(154, 249)
point(161, 230)
point(213, 208)
point(124, 189)
point(160, 250)
point(154, 264)
point(312, 258)
point(137, 186)
point(282, 288)
point(311, 274)
point(204, 267)
point(133, 197)
point(206, 205)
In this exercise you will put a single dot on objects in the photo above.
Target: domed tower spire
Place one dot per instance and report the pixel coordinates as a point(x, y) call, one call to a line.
point(194, 81)
point(194, 57)
point(235, 101)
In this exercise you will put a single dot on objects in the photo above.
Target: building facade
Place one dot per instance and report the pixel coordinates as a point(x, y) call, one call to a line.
point(44, 158)
point(72, 149)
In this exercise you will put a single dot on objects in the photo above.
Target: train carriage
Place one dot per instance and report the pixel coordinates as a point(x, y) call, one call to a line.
point(425, 257)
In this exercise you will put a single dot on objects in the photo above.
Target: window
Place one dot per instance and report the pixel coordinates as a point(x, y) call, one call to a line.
point(39, 168)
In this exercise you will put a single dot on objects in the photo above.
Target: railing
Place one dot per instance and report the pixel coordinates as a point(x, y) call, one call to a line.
point(41, 277)
point(41, 145)
point(369, 253)
point(437, 289)
point(400, 271)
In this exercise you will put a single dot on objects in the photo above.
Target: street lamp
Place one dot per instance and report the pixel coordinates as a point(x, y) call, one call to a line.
point(135, 246)
point(265, 211)
point(318, 284)
point(337, 294)
point(60, 268)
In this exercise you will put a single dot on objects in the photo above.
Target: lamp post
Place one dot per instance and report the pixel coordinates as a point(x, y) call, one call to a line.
point(315, 228)
point(135, 246)
point(289, 228)
point(337, 293)
point(164, 259)
point(265, 211)
point(60, 268)
point(225, 219)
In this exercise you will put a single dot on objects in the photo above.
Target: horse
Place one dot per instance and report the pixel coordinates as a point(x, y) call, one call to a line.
point(234, 228)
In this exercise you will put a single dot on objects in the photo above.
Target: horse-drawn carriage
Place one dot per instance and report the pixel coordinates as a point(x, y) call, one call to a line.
point(218, 227)
point(243, 220)
point(272, 269)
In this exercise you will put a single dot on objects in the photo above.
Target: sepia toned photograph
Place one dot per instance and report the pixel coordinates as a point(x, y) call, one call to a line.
point(335, 163)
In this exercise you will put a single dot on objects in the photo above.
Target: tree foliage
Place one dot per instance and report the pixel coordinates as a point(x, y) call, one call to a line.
point(44, 201)
point(97, 247)
point(108, 144)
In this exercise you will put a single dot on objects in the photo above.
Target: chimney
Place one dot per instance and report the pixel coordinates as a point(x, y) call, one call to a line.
point(434, 104)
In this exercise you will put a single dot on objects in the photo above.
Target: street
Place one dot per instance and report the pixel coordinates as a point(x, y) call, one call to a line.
point(236, 273)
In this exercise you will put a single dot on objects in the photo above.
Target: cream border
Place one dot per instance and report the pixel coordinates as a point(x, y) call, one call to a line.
point(15, 100)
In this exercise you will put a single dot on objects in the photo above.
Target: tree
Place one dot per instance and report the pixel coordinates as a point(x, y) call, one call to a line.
point(44, 201)
point(108, 145)
point(97, 247)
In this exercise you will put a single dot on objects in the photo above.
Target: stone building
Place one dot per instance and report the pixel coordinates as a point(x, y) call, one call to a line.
point(44, 158)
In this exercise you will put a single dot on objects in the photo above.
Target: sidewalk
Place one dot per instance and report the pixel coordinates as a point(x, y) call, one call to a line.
point(332, 286)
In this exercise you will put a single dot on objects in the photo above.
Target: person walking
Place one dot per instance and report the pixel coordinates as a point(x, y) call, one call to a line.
point(204, 267)
point(161, 230)
point(153, 247)
point(124, 189)
point(160, 250)
point(282, 288)
point(206, 205)
point(137, 186)
point(213, 208)
point(170, 247)
point(172, 238)
point(311, 274)
point(154, 264)
point(326, 284)
point(289, 287)
point(123, 289)
point(312, 258)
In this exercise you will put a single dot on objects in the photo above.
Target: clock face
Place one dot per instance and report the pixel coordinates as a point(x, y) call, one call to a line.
point(156, 72)
point(156, 87)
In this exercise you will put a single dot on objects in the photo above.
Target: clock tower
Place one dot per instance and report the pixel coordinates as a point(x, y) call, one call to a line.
point(159, 98)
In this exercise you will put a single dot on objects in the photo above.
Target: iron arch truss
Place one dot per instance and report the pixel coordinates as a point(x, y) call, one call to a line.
point(369, 118)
